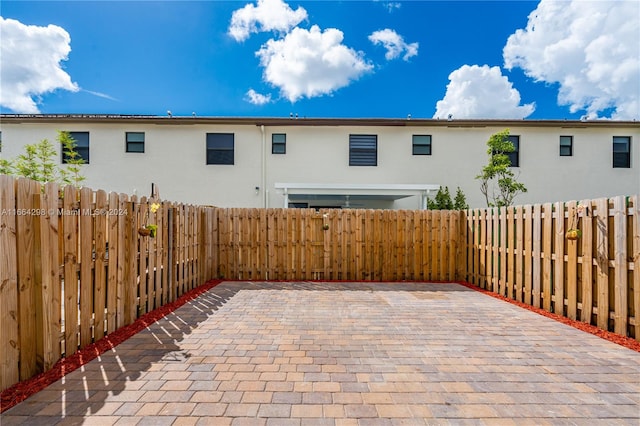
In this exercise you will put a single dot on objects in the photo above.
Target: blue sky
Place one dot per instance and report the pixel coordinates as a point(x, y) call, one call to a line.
point(470, 59)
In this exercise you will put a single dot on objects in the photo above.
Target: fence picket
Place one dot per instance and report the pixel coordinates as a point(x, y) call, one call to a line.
point(9, 334)
point(588, 262)
point(519, 252)
point(86, 239)
point(495, 280)
point(151, 263)
point(510, 253)
point(482, 254)
point(572, 263)
point(100, 277)
point(635, 235)
point(112, 262)
point(528, 254)
point(50, 289)
point(547, 245)
point(620, 264)
point(25, 226)
point(143, 244)
point(558, 262)
point(130, 252)
point(602, 262)
point(70, 226)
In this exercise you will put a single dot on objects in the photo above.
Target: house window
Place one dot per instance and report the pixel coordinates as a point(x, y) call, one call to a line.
point(363, 150)
point(220, 148)
point(421, 144)
point(514, 156)
point(566, 146)
point(82, 146)
point(279, 143)
point(134, 141)
point(622, 152)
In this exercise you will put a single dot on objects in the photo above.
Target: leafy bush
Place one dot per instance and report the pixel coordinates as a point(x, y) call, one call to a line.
point(38, 162)
point(442, 200)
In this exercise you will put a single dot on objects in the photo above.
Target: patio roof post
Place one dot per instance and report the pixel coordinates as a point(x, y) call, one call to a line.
point(286, 198)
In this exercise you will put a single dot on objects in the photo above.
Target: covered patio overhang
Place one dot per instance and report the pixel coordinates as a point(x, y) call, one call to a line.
point(348, 195)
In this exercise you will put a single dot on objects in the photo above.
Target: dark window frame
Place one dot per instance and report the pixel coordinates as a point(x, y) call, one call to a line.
point(129, 144)
point(622, 157)
point(514, 157)
point(566, 149)
point(418, 146)
point(278, 147)
point(218, 146)
point(81, 149)
point(361, 155)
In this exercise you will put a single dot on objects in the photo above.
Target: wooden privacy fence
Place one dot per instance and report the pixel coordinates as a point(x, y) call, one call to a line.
point(302, 244)
point(523, 253)
point(73, 267)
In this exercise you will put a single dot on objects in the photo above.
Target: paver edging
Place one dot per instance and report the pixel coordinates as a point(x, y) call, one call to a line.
point(627, 342)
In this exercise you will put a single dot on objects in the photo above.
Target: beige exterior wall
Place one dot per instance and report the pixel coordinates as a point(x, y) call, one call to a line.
point(175, 157)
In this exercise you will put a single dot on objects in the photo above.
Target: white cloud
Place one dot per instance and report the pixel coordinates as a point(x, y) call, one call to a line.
point(310, 63)
point(257, 98)
point(30, 65)
point(390, 5)
point(100, 95)
point(394, 43)
point(589, 48)
point(481, 92)
point(268, 15)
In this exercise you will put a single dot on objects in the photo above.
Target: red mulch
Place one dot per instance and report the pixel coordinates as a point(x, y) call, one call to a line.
point(627, 342)
point(22, 390)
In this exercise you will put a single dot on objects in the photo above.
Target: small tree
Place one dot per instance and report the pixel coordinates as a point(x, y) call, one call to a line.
point(498, 182)
point(460, 201)
point(442, 200)
point(6, 166)
point(37, 162)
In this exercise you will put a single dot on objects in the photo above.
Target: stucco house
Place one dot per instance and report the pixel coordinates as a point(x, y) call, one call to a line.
point(335, 162)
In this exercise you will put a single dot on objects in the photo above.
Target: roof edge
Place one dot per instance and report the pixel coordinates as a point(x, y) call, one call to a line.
point(305, 121)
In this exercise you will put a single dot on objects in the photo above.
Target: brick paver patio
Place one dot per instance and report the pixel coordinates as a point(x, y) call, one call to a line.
point(347, 354)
